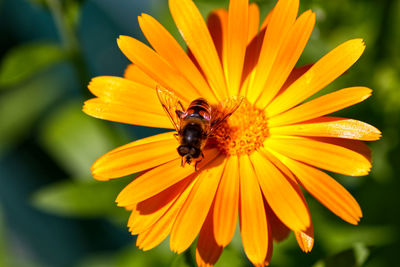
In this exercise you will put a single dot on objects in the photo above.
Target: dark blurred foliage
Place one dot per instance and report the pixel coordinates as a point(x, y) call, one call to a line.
point(52, 213)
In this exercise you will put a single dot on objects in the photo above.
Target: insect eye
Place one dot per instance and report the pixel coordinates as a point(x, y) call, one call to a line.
point(183, 150)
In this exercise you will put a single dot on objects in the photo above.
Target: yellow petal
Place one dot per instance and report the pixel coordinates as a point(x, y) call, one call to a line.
point(158, 179)
point(207, 249)
point(197, 37)
point(305, 239)
point(323, 72)
point(253, 48)
point(321, 106)
point(250, 62)
point(167, 47)
point(287, 57)
point(254, 21)
point(217, 24)
point(282, 19)
point(120, 112)
point(294, 75)
point(193, 213)
point(161, 229)
point(254, 227)
point(135, 74)
point(125, 101)
point(340, 157)
point(279, 230)
point(285, 201)
point(156, 67)
point(269, 252)
point(136, 156)
point(238, 28)
point(128, 93)
point(266, 152)
point(147, 212)
point(331, 127)
point(226, 203)
point(326, 190)
point(267, 20)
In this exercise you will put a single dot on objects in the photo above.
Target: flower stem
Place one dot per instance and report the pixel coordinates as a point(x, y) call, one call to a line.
point(70, 43)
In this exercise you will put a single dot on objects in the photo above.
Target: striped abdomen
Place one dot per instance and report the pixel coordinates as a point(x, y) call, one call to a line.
point(199, 108)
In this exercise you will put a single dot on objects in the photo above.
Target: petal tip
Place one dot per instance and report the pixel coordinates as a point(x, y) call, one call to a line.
point(368, 93)
point(360, 42)
point(354, 217)
point(96, 173)
point(376, 134)
point(99, 177)
point(176, 250)
point(85, 108)
point(356, 46)
point(354, 221)
point(145, 16)
point(120, 199)
point(122, 39)
point(362, 171)
point(305, 241)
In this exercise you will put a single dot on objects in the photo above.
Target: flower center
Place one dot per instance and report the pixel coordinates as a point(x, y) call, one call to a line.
point(243, 132)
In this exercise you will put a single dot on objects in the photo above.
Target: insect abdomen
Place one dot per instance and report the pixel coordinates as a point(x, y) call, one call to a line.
point(199, 108)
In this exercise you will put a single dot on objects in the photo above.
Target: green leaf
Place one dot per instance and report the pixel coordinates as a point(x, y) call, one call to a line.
point(20, 108)
point(180, 261)
point(98, 260)
point(338, 235)
point(24, 61)
point(231, 257)
point(361, 253)
point(3, 246)
point(9, 256)
point(352, 257)
point(71, 198)
point(41, 3)
point(76, 140)
point(132, 256)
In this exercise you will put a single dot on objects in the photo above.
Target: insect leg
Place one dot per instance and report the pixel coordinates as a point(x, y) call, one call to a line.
point(197, 162)
point(180, 104)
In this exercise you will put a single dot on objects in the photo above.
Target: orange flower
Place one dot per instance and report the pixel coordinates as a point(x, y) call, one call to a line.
point(258, 159)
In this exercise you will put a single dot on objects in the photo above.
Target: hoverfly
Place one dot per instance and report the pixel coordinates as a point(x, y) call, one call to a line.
point(196, 123)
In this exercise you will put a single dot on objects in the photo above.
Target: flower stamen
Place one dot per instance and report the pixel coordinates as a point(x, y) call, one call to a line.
point(243, 132)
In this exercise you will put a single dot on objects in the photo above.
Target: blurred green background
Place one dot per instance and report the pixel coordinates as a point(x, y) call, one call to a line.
point(52, 213)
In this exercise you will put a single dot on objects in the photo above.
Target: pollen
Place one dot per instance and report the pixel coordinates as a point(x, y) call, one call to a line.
point(243, 132)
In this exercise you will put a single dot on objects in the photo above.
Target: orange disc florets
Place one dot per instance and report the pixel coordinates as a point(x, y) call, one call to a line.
point(243, 132)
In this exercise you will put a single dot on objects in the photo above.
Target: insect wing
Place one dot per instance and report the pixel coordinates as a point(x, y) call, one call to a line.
point(172, 106)
point(223, 111)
